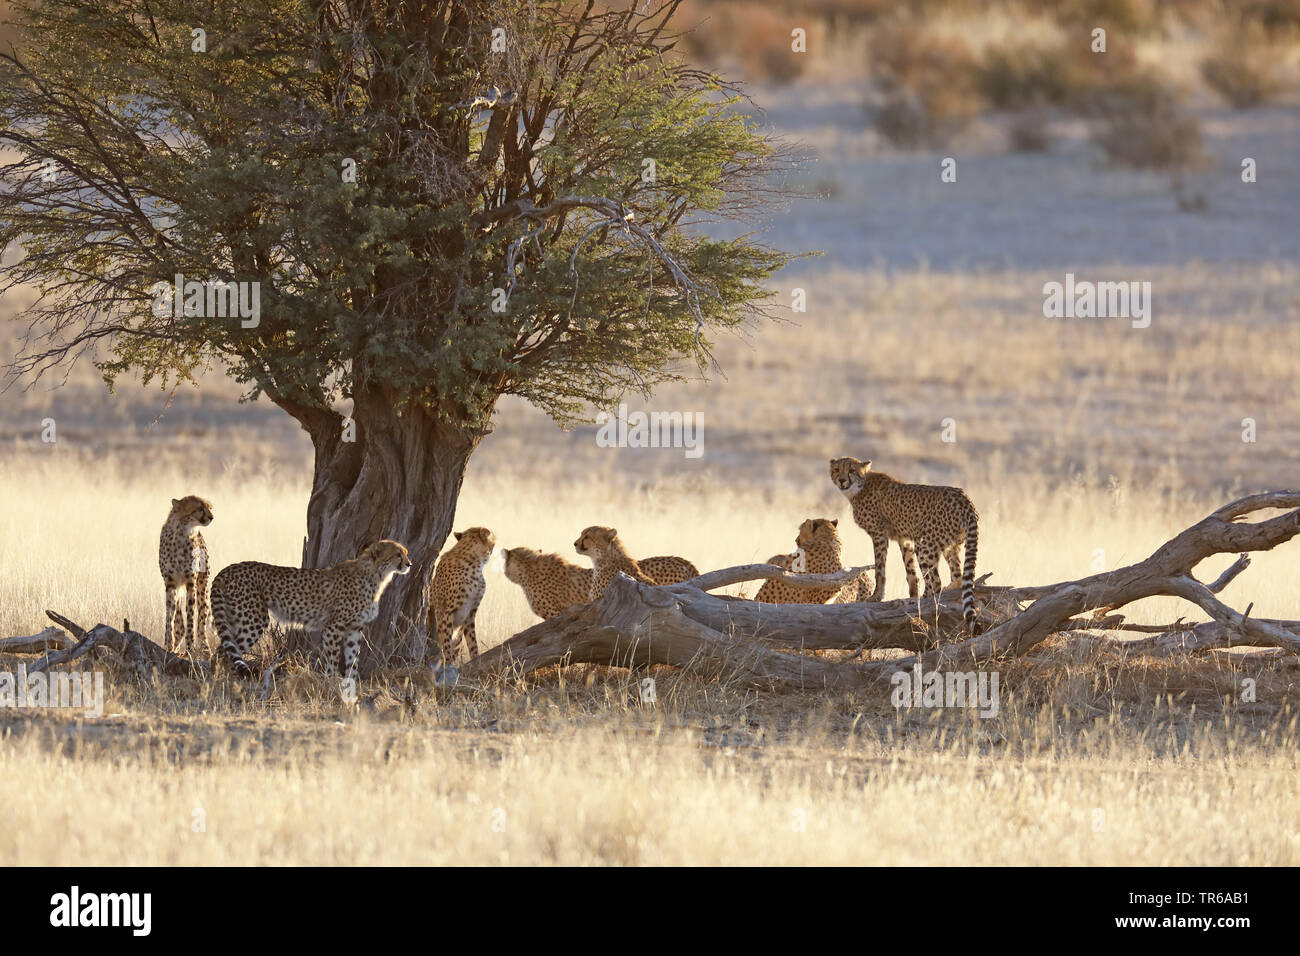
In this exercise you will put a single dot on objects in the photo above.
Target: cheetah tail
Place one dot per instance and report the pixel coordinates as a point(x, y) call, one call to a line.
point(968, 576)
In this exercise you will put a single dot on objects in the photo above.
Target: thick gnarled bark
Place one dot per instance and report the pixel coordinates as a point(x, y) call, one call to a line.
point(399, 478)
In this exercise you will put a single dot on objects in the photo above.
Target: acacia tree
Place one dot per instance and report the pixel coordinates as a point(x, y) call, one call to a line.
point(441, 202)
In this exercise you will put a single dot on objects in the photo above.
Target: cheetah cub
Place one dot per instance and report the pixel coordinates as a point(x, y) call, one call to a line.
point(667, 569)
point(609, 557)
point(819, 546)
point(183, 561)
point(925, 520)
point(340, 600)
point(455, 592)
point(856, 590)
point(550, 583)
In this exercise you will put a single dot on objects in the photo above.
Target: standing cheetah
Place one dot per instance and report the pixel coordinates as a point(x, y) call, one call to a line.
point(925, 520)
point(550, 583)
point(340, 599)
point(183, 560)
point(455, 592)
point(609, 557)
point(819, 543)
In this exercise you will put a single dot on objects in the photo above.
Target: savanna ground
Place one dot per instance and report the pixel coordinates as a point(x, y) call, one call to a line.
point(1084, 443)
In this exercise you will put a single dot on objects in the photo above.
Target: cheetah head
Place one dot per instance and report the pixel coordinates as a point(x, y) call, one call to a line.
point(516, 559)
point(849, 474)
point(193, 510)
point(594, 540)
point(814, 530)
point(389, 556)
point(480, 541)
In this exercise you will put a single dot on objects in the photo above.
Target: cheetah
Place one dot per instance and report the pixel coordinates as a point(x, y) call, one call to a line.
point(183, 561)
point(609, 557)
point(667, 569)
point(819, 547)
point(456, 591)
point(339, 599)
point(925, 520)
point(788, 562)
point(550, 583)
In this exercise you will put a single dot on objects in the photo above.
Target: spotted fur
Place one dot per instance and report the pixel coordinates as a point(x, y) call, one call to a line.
point(668, 569)
point(818, 541)
point(925, 520)
point(183, 561)
point(339, 600)
point(608, 558)
point(456, 591)
point(550, 583)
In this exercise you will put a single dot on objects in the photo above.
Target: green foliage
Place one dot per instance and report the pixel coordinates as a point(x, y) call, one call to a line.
point(227, 165)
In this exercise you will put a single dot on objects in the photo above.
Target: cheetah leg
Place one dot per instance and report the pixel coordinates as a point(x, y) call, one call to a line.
point(909, 564)
point(930, 570)
point(351, 647)
point(880, 544)
point(953, 561)
point(330, 649)
point(173, 608)
point(430, 630)
point(191, 616)
point(471, 638)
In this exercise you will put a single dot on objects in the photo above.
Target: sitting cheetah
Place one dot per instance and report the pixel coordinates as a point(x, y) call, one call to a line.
point(550, 583)
point(340, 599)
point(183, 560)
point(859, 589)
point(609, 557)
point(455, 592)
point(819, 542)
point(667, 569)
point(925, 520)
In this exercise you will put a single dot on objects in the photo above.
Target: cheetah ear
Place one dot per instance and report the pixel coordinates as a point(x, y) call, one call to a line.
point(459, 534)
point(835, 522)
point(866, 465)
point(175, 502)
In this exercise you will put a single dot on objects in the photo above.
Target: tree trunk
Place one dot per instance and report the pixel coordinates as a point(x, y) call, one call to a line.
point(399, 477)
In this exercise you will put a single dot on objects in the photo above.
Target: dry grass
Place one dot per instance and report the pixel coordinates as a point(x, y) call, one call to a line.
point(635, 795)
point(572, 769)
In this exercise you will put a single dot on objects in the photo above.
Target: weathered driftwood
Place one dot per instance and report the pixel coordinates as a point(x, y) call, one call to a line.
point(52, 638)
point(684, 625)
point(146, 657)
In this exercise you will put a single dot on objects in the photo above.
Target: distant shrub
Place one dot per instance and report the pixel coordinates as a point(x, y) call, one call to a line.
point(1016, 75)
point(1273, 14)
point(1131, 16)
point(1242, 70)
point(781, 64)
point(1030, 130)
point(1137, 121)
point(929, 82)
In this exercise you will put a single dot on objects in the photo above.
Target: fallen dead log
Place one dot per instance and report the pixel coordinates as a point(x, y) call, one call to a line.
point(685, 626)
point(140, 653)
point(52, 638)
